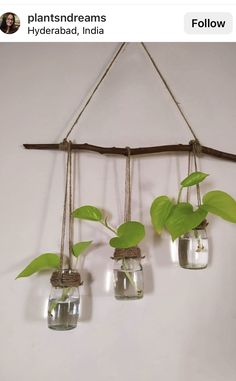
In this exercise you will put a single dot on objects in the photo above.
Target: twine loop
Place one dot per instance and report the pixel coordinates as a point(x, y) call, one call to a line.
point(67, 208)
point(131, 252)
point(65, 278)
point(195, 151)
point(127, 211)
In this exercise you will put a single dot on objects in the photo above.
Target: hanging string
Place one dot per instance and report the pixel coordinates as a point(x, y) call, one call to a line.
point(67, 197)
point(158, 72)
point(169, 90)
point(193, 153)
point(127, 213)
point(189, 169)
point(65, 278)
point(97, 86)
point(70, 208)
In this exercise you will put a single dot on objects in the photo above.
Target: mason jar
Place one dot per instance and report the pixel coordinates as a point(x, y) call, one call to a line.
point(193, 249)
point(64, 300)
point(128, 274)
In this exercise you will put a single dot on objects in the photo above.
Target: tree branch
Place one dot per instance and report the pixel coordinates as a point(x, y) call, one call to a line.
point(135, 151)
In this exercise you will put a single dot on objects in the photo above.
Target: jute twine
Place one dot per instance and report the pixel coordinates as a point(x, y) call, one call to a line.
point(159, 74)
point(64, 145)
point(196, 147)
point(127, 211)
point(196, 151)
point(131, 252)
point(65, 278)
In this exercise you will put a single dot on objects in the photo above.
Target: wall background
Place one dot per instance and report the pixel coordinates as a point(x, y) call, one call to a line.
point(184, 327)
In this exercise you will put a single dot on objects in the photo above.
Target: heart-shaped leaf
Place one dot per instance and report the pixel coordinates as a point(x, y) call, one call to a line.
point(129, 234)
point(88, 212)
point(43, 262)
point(79, 247)
point(160, 211)
point(193, 179)
point(183, 219)
point(221, 204)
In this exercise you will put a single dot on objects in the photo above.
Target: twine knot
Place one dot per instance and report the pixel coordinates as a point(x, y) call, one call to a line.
point(65, 145)
point(196, 147)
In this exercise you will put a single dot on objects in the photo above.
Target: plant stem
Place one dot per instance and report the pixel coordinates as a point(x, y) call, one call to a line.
point(128, 275)
point(104, 223)
point(64, 296)
point(179, 195)
point(200, 246)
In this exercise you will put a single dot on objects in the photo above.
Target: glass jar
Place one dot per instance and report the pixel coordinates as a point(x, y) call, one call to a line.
point(63, 303)
point(193, 249)
point(128, 275)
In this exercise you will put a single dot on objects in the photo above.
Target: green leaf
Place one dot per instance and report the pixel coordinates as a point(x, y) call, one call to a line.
point(43, 262)
point(160, 210)
point(129, 234)
point(88, 212)
point(193, 179)
point(79, 247)
point(183, 219)
point(221, 204)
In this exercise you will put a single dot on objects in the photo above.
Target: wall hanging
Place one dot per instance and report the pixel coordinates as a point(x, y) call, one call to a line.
point(185, 222)
point(128, 271)
point(64, 300)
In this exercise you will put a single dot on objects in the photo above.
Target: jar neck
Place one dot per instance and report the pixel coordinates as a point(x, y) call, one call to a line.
point(196, 233)
point(64, 293)
point(128, 264)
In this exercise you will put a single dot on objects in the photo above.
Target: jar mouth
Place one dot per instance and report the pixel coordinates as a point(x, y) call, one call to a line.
point(65, 278)
point(131, 252)
point(68, 271)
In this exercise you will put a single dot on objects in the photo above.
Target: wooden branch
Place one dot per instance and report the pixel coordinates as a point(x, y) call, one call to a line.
point(135, 151)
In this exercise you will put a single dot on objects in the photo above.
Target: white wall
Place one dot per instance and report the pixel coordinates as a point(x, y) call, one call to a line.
point(184, 327)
